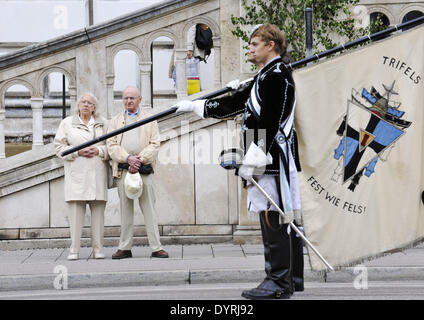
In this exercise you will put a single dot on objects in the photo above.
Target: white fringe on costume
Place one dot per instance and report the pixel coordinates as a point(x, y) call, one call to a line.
point(257, 202)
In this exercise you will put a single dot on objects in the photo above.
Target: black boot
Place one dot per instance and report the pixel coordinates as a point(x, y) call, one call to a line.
point(297, 249)
point(278, 283)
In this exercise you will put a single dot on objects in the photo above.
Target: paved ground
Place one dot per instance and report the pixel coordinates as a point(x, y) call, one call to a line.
point(181, 293)
point(188, 264)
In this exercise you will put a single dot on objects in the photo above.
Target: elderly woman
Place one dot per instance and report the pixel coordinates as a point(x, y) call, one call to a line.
point(85, 173)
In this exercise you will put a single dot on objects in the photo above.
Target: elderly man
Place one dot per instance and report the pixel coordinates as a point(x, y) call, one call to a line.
point(130, 152)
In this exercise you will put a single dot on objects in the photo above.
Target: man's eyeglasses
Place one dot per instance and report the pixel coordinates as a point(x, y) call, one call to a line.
point(131, 98)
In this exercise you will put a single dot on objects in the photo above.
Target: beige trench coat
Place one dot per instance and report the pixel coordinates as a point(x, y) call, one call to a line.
point(85, 178)
point(149, 137)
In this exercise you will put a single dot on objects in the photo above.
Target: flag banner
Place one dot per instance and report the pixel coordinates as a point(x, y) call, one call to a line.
point(360, 123)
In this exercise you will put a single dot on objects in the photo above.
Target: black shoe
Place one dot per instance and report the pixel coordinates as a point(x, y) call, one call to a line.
point(160, 254)
point(299, 287)
point(264, 294)
point(268, 289)
point(298, 284)
point(122, 254)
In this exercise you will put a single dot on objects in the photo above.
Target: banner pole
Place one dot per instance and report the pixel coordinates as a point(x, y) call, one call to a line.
point(144, 121)
point(348, 45)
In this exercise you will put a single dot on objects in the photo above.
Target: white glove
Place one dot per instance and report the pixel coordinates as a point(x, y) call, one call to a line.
point(235, 84)
point(255, 157)
point(246, 172)
point(197, 106)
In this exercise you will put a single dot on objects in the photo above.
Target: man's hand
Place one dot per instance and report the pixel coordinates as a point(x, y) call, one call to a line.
point(234, 85)
point(134, 162)
point(132, 169)
point(246, 172)
point(196, 106)
point(253, 159)
point(88, 152)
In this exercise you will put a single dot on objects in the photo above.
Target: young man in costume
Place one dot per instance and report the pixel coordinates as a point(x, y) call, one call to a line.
point(267, 104)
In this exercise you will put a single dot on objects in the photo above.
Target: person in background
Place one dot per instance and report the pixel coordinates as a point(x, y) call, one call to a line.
point(199, 53)
point(86, 173)
point(131, 152)
point(172, 70)
point(192, 72)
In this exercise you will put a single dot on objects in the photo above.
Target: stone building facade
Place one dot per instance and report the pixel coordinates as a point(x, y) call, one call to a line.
point(197, 201)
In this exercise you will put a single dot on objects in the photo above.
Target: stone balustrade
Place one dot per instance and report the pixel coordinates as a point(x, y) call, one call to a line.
point(86, 57)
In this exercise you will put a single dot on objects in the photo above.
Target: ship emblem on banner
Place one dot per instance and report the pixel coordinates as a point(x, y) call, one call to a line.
point(370, 129)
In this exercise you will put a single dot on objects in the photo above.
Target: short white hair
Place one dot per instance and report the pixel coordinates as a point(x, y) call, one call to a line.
point(95, 113)
point(132, 87)
point(91, 95)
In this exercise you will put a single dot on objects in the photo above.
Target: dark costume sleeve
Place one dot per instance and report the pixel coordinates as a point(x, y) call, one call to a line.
point(228, 106)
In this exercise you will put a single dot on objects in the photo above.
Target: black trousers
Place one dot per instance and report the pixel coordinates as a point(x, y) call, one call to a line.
point(283, 254)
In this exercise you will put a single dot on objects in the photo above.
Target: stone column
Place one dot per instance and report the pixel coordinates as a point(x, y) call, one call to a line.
point(2, 141)
point(231, 53)
point(146, 91)
point(217, 66)
point(37, 122)
point(110, 81)
point(73, 98)
point(181, 55)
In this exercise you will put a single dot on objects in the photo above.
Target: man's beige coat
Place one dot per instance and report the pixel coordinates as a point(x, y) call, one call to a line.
point(149, 137)
point(85, 178)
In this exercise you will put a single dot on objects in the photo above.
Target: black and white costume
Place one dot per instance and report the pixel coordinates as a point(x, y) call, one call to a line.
point(267, 104)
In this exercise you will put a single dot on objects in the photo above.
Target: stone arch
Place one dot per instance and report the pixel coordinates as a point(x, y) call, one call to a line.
point(216, 34)
point(178, 41)
point(119, 47)
point(11, 83)
point(385, 11)
point(111, 53)
point(150, 63)
point(201, 19)
point(69, 75)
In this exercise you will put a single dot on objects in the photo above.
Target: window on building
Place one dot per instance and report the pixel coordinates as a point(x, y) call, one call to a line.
point(378, 15)
point(163, 85)
point(379, 22)
point(411, 16)
point(127, 71)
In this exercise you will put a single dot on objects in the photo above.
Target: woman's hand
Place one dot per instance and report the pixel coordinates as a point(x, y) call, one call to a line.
point(88, 152)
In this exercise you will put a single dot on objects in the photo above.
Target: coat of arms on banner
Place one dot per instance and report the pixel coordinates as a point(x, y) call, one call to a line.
point(371, 127)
